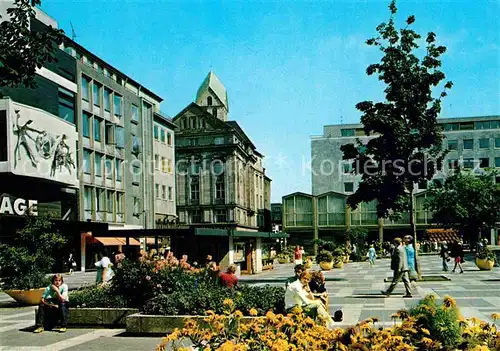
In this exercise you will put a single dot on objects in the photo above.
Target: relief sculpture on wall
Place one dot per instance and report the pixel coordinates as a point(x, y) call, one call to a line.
point(50, 147)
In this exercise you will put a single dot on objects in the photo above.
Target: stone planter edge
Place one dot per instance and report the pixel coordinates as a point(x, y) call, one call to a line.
point(98, 316)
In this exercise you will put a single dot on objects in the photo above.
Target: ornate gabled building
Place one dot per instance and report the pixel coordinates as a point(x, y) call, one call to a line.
point(220, 179)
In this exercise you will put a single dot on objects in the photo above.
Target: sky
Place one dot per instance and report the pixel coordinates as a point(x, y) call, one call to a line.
point(289, 67)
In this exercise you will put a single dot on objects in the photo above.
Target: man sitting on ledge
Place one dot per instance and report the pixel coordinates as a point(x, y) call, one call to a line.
point(298, 295)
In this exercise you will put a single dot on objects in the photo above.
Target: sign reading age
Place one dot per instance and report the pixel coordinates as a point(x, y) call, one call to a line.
point(20, 207)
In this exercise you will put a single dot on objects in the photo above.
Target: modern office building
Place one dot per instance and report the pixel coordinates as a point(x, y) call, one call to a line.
point(221, 182)
point(81, 144)
point(473, 144)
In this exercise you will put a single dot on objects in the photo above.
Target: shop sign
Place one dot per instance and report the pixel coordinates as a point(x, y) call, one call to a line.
point(13, 206)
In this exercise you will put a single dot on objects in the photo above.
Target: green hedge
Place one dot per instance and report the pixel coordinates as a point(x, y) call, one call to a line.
point(96, 296)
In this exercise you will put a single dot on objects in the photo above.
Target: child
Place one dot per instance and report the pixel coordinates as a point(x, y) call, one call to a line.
point(371, 255)
point(53, 306)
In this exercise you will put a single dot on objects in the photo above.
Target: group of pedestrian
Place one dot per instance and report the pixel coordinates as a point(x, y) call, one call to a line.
point(456, 252)
point(403, 265)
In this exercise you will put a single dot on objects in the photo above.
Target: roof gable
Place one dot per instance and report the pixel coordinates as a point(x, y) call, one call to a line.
point(213, 83)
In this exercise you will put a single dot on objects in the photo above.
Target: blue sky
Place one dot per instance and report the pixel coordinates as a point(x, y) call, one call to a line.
point(290, 67)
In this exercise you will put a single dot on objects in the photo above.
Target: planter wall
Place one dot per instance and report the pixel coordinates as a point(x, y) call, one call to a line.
point(99, 316)
point(153, 324)
point(26, 297)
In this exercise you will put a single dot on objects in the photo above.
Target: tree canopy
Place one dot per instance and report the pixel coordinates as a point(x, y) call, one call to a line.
point(469, 201)
point(22, 50)
point(405, 147)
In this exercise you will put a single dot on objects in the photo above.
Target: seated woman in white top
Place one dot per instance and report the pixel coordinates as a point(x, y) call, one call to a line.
point(297, 294)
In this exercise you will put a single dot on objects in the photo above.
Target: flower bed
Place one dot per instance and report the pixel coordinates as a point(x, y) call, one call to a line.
point(429, 326)
point(156, 288)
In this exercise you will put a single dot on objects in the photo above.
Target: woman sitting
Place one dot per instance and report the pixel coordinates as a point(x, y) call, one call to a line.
point(53, 306)
point(298, 295)
point(317, 287)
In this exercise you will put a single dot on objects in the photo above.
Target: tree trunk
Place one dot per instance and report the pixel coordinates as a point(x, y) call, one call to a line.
point(413, 231)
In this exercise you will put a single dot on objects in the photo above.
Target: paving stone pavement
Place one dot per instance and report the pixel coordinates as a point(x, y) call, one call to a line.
point(358, 295)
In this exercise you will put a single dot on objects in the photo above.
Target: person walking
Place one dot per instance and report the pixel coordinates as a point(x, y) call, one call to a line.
point(410, 255)
point(445, 256)
point(399, 264)
point(372, 254)
point(71, 263)
point(457, 252)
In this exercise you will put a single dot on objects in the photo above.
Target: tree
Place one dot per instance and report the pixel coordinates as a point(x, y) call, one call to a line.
point(22, 51)
point(406, 148)
point(25, 263)
point(468, 201)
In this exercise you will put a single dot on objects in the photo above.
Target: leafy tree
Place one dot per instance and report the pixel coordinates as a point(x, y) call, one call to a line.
point(406, 148)
point(466, 200)
point(25, 263)
point(23, 50)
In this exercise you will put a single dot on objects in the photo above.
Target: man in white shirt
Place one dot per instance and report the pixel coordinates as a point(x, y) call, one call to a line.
point(297, 295)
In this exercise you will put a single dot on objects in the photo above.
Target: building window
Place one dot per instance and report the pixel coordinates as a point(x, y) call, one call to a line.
point(169, 139)
point(170, 190)
point(467, 126)
point(109, 167)
point(219, 140)
point(452, 163)
point(136, 144)
point(484, 162)
point(347, 168)
point(157, 162)
point(497, 142)
point(450, 126)
point(109, 133)
point(452, 145)
point(195, 217)
point(100, 201)
point(155, 132)
point(96, 94)
point(119, 171)
point(468, 163)
point(117, 105)
point(484, 143)
point(468, 144)
point(119, 137)
point(136, 175)
point(495, 124)
point(195, 188)
point(157, 190)
point(163, 192)
point(220, 187)
point(110, 200)
point(483, 125)
point(107, 101)
point(163, 164)
point(119, 203)
point(98, 164)
point(214, 112)
point(86, 125)
point(135, 113)
point(86, 161)
point(67, 105)
point(220, 216)
point(137, 205)
point(209, 101)
point(97, 129)
point(497, 162)
point(85, 88)
point(169, 165)
point(162, 135)
point(349, 187)
point(347, 132)
point(87, 198)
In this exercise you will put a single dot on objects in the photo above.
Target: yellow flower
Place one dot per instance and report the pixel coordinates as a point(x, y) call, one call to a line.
point(253, 312)
point(425, 331)
point(481, 348)
point(495, 316)
point(449, 302)
point(228, 302)
point(238, 314)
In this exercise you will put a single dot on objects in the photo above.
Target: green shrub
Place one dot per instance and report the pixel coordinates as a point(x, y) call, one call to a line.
point(486, 253)
point(96, 296)
point(324, 256)
point(204, 298)
point(25, 263)
point(442, 320)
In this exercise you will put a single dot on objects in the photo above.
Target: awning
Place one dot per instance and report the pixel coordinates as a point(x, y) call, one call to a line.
point(113, 241)
point(239, 233)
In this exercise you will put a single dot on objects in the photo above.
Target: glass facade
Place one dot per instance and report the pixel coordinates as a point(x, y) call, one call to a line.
point(107, 101)
point(117, 105)
point(85, 88)
point(86, 125)
point(67, 105)
point(97, 129)
point(98, 164)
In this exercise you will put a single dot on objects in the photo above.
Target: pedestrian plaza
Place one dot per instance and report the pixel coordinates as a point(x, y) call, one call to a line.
point(355, 289)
